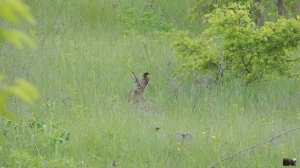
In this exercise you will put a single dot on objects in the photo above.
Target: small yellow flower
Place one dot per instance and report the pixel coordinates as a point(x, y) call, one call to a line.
point(178, 149)
point(203, 132)
point(213, 137)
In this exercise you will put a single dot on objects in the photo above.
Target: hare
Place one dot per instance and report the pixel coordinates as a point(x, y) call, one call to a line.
point(137, 94)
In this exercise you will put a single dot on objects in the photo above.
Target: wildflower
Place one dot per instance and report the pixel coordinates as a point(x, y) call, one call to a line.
point(213, 137)
point(203, 132)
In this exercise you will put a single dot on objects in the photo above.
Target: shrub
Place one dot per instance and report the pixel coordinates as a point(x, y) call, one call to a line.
point(233, 46)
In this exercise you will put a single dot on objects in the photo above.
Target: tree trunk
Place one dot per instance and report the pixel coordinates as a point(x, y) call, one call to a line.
point(280, 7)
point(260, 19)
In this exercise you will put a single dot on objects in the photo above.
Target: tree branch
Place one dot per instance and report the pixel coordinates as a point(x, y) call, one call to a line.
point(246, 65)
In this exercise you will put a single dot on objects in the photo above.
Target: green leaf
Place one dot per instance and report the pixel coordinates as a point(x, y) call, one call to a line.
point(23, 90)
point(7, 114)
point(18, 38)
point(12, 10)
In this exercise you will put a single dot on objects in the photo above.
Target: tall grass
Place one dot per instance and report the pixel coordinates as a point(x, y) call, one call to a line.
point(82, 68)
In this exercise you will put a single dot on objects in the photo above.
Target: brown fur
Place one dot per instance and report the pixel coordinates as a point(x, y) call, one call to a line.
point(137, 94)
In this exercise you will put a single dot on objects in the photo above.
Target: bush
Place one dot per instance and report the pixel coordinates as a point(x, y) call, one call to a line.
point(234, 47)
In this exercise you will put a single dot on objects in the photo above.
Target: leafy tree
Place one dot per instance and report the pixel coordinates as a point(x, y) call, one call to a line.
point(235, 47)
point(12, 13)
point(260, 10)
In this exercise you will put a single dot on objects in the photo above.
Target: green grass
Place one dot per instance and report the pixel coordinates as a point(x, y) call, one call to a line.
point(82, 68)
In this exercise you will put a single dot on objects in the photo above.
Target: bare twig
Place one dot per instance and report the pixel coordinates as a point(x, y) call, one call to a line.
point(254, 146)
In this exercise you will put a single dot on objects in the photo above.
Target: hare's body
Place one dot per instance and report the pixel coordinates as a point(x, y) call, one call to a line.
point(137, 94)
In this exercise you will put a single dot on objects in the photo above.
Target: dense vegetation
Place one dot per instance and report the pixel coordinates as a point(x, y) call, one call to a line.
point(233, 46)
point(81, 65)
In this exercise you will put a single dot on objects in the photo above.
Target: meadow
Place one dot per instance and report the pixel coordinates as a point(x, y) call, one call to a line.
point(81, 66)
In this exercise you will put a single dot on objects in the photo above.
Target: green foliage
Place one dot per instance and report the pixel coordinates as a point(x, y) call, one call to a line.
point(13, 12)
point(23, 90)
point(291, 7)
point(22, 158)
point(47, 135)
point(20, 89)
point(235, 47)
point(90, 96)
point(50, 132)
point(258, 9)
point(147, 21)
point(199, 8)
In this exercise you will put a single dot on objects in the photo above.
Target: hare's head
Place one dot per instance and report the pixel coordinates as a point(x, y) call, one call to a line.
point(145, 79)
point(145, 74)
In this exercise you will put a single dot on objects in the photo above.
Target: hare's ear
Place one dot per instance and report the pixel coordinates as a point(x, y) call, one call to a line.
point(135, 79)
